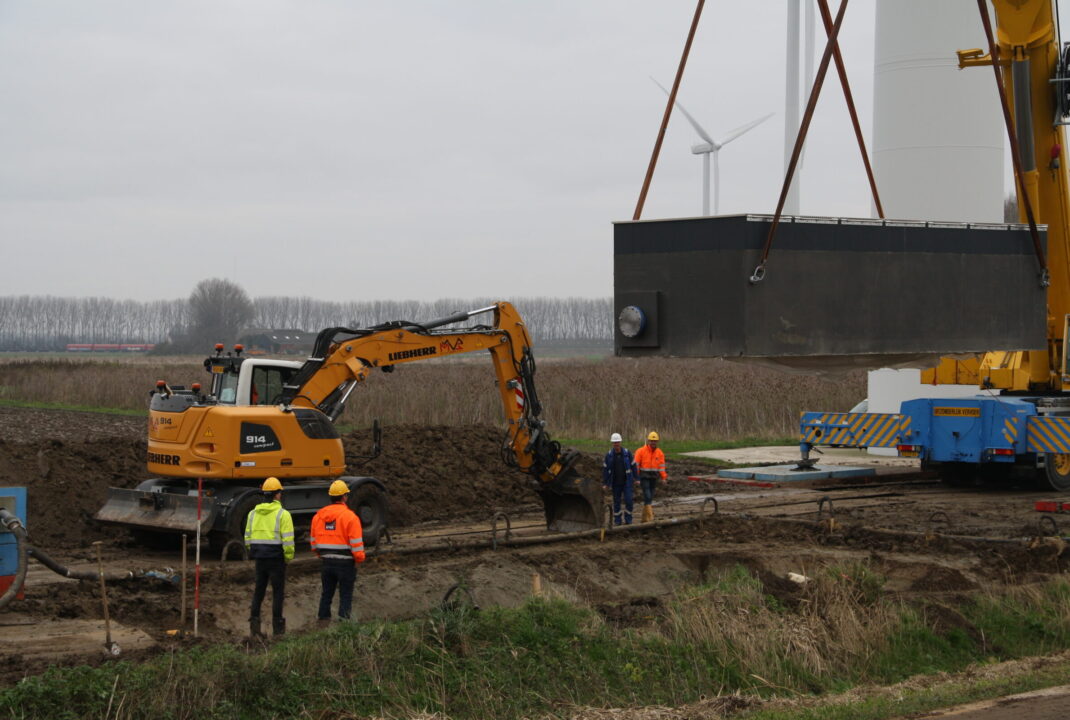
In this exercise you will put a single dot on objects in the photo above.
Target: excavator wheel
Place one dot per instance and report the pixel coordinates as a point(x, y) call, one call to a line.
point(369, 503)
point(236, 519)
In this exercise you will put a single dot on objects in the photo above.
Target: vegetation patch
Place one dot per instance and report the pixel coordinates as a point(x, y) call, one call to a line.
point(737, 634)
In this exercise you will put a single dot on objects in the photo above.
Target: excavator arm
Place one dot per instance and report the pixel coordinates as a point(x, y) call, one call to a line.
point(293, 436)
point(343, 358)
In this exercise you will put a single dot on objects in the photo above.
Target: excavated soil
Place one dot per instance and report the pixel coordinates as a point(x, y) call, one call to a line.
point(450, 481)
point(68, 460)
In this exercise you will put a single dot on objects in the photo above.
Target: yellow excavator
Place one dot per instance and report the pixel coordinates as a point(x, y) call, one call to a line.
point(262, 417)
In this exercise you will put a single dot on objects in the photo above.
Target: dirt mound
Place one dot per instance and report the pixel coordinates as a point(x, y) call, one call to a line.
point(68, 460)
point(438, 473)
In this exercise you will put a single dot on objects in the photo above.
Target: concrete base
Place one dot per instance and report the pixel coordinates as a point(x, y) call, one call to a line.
point(786, 473)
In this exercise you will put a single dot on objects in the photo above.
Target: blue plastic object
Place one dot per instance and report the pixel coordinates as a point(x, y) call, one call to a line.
point(14, 501)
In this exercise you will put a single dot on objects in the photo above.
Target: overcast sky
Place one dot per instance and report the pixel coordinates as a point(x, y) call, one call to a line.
point(354, 150)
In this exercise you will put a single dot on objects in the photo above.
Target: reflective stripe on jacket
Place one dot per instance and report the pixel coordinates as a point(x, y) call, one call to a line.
point(269, 532)
point(648, 460)
point(337, 534)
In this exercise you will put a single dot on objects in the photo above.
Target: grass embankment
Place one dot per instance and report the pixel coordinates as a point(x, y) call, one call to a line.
point(548, 657)
point(684, 400)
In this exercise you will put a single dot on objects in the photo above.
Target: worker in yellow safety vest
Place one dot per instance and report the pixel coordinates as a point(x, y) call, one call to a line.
point(650, 461)
point(269, 536)
point(338, 540)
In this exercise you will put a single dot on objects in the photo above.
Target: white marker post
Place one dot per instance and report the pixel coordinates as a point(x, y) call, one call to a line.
point(197, 560)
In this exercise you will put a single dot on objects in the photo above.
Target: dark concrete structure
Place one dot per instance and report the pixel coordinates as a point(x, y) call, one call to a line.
point(833, 287)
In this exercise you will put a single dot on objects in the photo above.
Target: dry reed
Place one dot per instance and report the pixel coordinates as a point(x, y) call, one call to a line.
point(705, 400)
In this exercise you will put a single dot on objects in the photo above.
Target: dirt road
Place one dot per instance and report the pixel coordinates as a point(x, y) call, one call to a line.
point(1050, 704)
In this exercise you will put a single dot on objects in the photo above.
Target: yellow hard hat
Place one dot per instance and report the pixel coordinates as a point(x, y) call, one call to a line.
point(653, 436)
point(272, 484)
point(338, 488)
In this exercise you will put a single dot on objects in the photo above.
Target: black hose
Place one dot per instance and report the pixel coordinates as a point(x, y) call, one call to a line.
point(14, 526)
point(42, 557)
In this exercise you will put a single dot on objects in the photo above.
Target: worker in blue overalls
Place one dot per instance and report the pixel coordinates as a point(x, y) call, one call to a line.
point(618, 474)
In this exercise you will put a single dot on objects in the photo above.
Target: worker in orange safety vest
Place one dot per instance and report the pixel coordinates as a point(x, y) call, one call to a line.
point(338, 540)
point(650, 461)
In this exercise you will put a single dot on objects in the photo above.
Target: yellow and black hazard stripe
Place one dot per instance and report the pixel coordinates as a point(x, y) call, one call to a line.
point(1048, 434)
point(854, 429)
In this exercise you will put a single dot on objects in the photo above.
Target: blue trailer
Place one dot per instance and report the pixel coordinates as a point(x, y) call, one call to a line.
point(994, 437)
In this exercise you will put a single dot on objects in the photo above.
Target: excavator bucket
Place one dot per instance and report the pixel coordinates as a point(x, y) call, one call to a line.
point(159, 511)
point(572, 503)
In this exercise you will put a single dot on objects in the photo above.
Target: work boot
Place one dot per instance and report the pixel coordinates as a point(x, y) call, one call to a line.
point(627, 518)
point(648, 514)
point(616, 519)
point(254, 628)
point(323, 623)
point(278, 627)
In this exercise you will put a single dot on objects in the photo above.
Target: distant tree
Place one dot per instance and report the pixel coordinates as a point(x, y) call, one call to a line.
point(218, 310)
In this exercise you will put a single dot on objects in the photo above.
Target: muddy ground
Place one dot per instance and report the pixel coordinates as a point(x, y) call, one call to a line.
point(67, 460)
point(931, 543)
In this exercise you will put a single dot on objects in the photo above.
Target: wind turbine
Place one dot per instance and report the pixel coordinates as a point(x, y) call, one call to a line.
point(712, 147)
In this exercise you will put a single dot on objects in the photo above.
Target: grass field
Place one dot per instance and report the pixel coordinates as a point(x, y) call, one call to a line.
point(727, 637)
point(684, 400)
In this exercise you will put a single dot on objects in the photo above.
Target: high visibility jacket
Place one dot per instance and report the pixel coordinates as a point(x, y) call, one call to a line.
point(648, 460)
point(337, 534)
point(269, 532)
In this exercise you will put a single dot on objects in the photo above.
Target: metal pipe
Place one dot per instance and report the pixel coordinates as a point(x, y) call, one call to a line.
point(1016, 151)
point(1023, 113)
point(455, 318)
point(42, 557)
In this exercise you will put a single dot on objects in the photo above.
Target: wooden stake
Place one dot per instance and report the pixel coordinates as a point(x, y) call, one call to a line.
point(185, 555)
point(536, 585)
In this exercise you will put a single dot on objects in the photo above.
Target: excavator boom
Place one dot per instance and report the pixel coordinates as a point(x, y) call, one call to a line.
point(267, 418)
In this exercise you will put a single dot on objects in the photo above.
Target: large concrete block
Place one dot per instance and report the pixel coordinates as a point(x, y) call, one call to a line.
point(833, 287)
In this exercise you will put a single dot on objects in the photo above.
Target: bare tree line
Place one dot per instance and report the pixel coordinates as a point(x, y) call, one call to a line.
point(44, 322)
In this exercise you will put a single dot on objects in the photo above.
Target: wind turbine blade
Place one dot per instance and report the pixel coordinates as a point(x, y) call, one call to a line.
point(733, 134)
point(694, 123)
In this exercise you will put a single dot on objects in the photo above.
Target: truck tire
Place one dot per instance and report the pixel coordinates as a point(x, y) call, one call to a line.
point(369, 503)
point(1057, 472)
point(235, 526)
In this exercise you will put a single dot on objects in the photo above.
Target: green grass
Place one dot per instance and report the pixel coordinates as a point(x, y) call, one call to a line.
point(675, 449)
point(885, 704)
point(7, 402)
point(547, 657)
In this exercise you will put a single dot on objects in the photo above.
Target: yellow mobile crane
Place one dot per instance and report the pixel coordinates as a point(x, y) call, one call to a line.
point(1022, 425)
point(264, 418)
point(1037, 77)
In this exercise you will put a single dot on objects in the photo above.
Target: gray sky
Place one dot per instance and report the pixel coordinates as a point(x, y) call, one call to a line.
point(353, 150)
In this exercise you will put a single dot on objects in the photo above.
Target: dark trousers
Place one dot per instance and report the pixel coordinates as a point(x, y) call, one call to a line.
point(341, 574)
point(649, 483)
point(622, 493)
point(271, 570)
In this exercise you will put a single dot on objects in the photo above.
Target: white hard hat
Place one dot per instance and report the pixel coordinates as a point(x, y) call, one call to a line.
point(615, 437)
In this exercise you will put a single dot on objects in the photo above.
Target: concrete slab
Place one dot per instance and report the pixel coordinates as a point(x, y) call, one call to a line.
point(790, 454)
point(787, 473)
